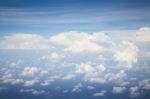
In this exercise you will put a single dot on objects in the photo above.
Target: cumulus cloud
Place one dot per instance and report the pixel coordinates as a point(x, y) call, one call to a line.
point(8, 79)
point(126, 53)
point(73, 41)
point(118, 90)
point(91, 73)
point(50, 79)
point(134, 91)
point(44, 73)
point(33, 91)
point(143, 34)
point(30, 83)
point(80, 42)
point(116, 77)
point(16, 81)
point(69, 77)
point(15, 64)
point(24, 41)
point(101, 93)
point(53, 57)
point(145, 84)
point(30, 71)
point(91, 58)
point(84, 68)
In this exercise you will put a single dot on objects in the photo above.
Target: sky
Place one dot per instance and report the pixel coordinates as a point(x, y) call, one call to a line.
point(54, 16)
point(76, 49)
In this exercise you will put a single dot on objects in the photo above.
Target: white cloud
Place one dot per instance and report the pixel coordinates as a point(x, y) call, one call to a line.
point(100, 68)
point(36, 92)
point(134, 91)
point(24, 41)
point(84, 47)
point(7, 75)
point(30, 71)
point(17, 81)
point(15, 64)
point(84, 68)
point(50, 79)
point(69, 77)
point(145, 84)
point(44, 73)
point(12, 81)
point(30, 83)
point(54, 57)
point(80, 42)
point(69, 61)
point(72, 41)
point(143, 34)
point(147, 54)
point(116, 77)
point(91, 73)
point(124, 83)
point(33, 91)
point(126, 53)
point(118, 90)
point(101, 93)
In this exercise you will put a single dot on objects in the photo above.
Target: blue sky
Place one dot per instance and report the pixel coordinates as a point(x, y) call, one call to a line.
point(54, 16)
point(76, 49)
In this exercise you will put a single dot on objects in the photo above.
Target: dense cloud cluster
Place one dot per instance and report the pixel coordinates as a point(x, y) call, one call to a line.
point(31, 60)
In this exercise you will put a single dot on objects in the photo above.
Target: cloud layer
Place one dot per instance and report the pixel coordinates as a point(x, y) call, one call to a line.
point(77, 58)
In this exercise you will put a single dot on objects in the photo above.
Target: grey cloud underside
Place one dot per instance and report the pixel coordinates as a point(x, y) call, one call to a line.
point(73, 62)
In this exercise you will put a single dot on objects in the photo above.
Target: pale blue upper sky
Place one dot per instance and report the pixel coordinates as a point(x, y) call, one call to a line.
point(54, 16)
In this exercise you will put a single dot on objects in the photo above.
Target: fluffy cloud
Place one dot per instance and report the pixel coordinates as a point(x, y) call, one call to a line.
point(30, 83)
point(134, 91)
point(118, 90)
point(116, 77)
point(126, 53)
point(16, 81)
point(49, 80)
point(33, 91)
point(145, 84)
point(143, 34)
point(15, 64)
point(8, 78)
point(54, 57)
point(91, 58)
point(24, 41)
point(44, 73)
point(67, 41)
point(84, 68)
point(101, 93)
point(80, 42)
point(69, 77)
point(91, 73)
point(30, 71)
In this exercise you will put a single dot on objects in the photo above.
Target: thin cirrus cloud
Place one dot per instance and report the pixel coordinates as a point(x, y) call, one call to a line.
point(72, 16)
